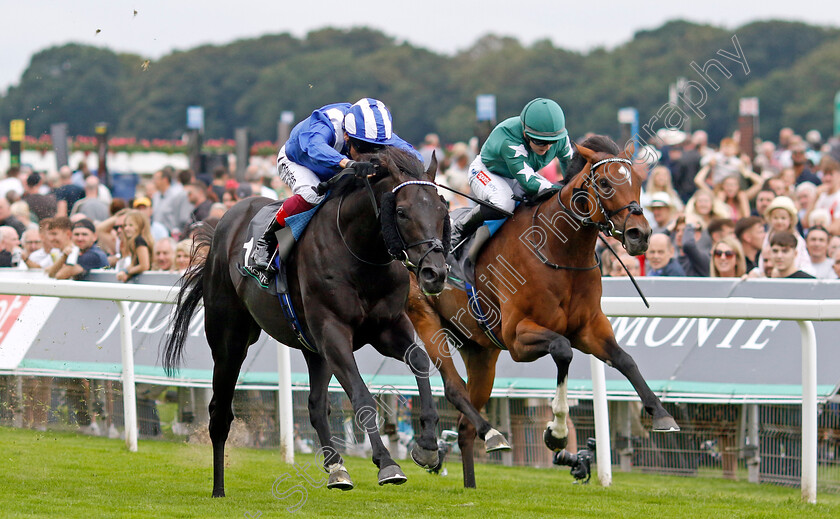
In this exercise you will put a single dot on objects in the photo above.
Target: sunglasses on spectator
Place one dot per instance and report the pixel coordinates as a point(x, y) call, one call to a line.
point(118, 227)
point(725, 253)
point(538, 142)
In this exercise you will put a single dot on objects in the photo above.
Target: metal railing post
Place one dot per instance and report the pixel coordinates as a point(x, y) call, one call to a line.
point(602, 421)
point(809, 411)
point(129, 393)
point(284, 401)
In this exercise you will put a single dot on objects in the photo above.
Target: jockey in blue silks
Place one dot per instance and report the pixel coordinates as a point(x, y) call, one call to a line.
point(319, 147)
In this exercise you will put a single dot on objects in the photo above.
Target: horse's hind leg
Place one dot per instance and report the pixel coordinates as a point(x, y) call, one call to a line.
point(229, 333)
point(319, 410)
point(605, 347)
point(481, 371)
point(336, 338)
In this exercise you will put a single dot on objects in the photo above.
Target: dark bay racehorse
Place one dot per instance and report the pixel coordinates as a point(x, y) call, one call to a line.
point(539, 285)
point(347, 290)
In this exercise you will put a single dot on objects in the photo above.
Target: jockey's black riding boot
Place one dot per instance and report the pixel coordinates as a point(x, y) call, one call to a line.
point(466, 225)
point(264, 248)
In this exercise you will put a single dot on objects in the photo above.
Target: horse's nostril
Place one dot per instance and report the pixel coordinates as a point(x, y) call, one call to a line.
point(633, 234)
point(432, 275)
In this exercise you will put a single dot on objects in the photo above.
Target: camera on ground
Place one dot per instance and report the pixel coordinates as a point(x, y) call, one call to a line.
point(580, 463)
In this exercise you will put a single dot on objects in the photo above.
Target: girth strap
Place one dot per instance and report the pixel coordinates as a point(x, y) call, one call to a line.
point(480, 318)
point(292, 318)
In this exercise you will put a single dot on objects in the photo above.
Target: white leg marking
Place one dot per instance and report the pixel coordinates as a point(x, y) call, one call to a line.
point(491, 433)
point(560, 407)
point(335, 467)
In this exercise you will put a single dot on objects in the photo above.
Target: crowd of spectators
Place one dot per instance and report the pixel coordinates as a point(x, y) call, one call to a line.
point(67, 223)
point(714, 211)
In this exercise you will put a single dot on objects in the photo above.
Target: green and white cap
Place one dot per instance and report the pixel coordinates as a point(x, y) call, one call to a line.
point(543, 119)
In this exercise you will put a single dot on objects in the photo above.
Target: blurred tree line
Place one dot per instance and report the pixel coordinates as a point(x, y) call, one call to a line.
point(794, 70)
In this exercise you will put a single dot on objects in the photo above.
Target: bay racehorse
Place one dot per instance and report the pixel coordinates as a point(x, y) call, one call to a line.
point(347, 289)
point(539, 287)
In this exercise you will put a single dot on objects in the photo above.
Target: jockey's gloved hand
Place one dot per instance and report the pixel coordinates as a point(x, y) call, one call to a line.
point(361, 169)
point(543, 191)
point(545, 187)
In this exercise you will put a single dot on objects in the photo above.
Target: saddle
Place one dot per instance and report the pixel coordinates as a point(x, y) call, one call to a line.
point(462, 260)
point(462, 270)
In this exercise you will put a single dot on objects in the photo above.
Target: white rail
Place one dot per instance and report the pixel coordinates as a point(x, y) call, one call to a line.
point(800, 310)
point(121, 294)
point(89, 290)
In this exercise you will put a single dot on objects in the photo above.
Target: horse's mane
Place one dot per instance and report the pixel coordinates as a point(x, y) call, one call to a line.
point(599, 143)
point(389, 156)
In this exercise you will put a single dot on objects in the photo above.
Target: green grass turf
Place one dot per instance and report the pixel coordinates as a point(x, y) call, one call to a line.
point(57, 474)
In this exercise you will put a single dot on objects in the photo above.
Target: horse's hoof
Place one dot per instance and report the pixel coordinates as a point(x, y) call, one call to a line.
point(424, 458)
point(554, 443)
point(391, 475)
point(495, 441)
point(218, 492)
point(340, 479)
point(665, 424)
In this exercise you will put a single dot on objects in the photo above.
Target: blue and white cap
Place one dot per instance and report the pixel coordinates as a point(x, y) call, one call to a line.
point(369, 120)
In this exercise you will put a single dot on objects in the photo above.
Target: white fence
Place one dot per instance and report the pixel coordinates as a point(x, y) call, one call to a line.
point(802, 311)
point(122, 294)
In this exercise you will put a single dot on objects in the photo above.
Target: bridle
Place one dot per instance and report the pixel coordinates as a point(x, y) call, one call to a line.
point(397, 247)
point(606, 227)
point(401, 253)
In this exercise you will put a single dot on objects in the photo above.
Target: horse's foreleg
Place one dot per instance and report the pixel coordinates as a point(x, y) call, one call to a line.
point(532, 342)
point(319, 410)
point(337, 342)
point(607, 350)
point(436, 341)
point(624, 363)
point(397, 341)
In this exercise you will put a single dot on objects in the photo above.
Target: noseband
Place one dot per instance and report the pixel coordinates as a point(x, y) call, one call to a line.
point(607, 227)
point(397, 247)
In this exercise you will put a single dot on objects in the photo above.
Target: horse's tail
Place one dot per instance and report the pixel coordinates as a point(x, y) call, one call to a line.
point(189, 296)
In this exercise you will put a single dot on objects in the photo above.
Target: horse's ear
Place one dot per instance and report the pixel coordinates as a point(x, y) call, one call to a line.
point(380, 165)
point(432, 169)
point(629, 150)
point(586, 153)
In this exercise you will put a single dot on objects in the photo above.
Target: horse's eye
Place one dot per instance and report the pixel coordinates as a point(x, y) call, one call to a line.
point(604, 183)
point(401, 212)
